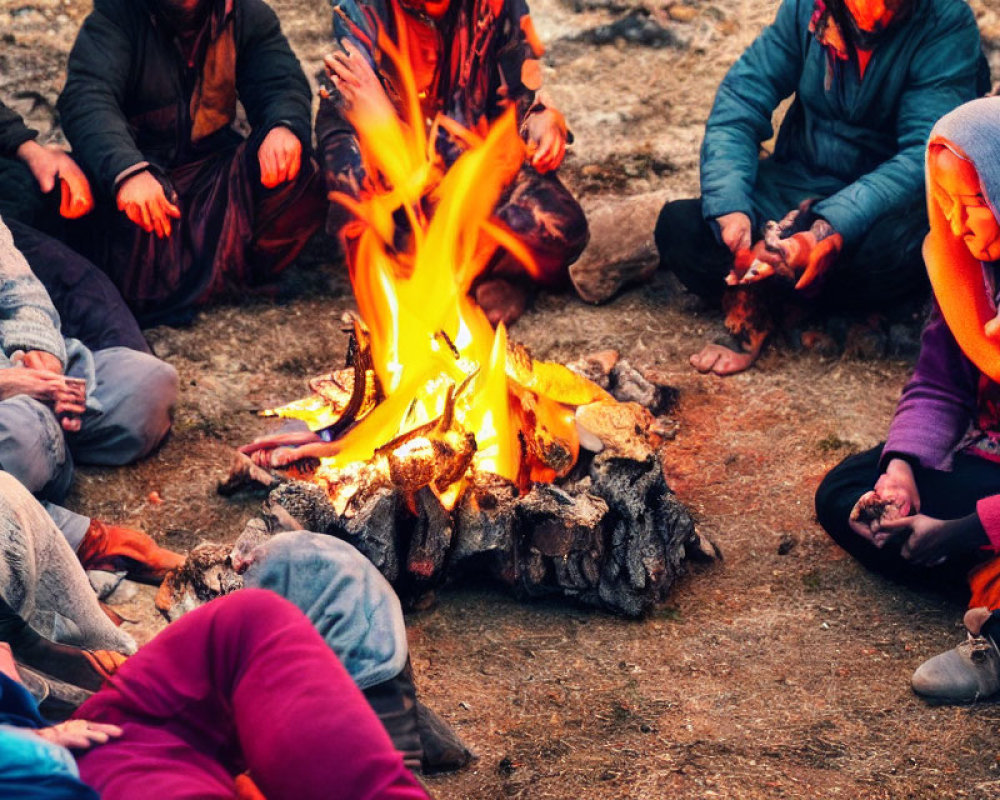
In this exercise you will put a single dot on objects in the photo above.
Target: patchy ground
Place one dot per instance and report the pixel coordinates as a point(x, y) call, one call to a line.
point(782, 672)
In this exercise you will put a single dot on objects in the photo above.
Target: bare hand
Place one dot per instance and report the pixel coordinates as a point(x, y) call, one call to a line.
point(78, 734)
point(144, 202)
point(280, 156)
point(736, 231)
point(67, 397)
point(546, 135)
point(362, 92)
point(39, 359)
point(895, 496)
point(51, 164)
point(262, 449)
point(928, 543)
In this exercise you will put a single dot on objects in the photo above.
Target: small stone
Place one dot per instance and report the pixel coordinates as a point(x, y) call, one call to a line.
point(682, 13)
point(786, 545)
point(620, 428)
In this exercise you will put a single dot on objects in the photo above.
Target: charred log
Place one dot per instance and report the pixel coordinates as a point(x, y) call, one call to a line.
point(485, 520)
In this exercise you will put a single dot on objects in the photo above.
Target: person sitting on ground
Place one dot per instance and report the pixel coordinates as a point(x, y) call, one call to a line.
point(257, 690)
point(60, 402)
point(41, 186)
point(470, 59)
point(924, 506)
point(189, 206)
point(845, 180)
point(51, 619)
point(49, 613)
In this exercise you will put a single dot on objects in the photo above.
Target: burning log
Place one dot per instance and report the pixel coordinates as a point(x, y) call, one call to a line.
point(614, 539)
point(439, 449)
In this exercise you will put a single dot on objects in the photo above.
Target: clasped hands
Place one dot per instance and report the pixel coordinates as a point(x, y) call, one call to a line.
point(144, 198)
point(39, 375)
point(892, 510)
point(800, 247)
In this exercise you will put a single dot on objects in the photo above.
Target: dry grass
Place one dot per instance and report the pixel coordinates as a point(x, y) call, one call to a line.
point(769, 675)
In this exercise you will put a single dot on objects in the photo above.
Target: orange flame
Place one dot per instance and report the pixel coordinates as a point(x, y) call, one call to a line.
point(429, 340)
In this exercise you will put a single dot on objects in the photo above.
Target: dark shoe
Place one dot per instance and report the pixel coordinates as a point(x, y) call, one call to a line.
point(395, 704)
point(443, 750)
point(966, 674)
point(427, 742)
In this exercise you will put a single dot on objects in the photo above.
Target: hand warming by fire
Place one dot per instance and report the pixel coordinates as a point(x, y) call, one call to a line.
point(434, 391)
point(443, 446)
point(441, 451)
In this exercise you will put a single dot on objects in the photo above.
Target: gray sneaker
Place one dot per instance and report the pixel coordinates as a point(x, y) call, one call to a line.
point(969, 673)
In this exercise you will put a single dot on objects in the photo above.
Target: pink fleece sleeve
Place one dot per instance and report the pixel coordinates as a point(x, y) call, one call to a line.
point(989, 515)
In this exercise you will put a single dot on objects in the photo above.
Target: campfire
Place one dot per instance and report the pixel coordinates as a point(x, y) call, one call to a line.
point(448, 449)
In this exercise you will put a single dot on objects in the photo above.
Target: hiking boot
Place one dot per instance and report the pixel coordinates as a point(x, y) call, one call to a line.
point(966, 674)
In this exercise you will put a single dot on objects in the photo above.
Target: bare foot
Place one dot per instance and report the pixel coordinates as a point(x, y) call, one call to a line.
point(722, 360)
point(502, 300)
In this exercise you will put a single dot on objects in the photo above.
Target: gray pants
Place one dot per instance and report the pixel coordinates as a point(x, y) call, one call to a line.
point(136, 392)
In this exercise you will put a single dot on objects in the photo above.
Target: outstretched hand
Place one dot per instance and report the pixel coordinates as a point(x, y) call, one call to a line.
point(145, 202)
point(50, 164)
point(78, 734)
point(280, 157)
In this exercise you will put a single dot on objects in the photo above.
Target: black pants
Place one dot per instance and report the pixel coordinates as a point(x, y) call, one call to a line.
point(943, 495)
point(885, 267)
point(90, 308)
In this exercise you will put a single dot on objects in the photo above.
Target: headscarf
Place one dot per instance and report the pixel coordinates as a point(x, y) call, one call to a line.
point(972, 132)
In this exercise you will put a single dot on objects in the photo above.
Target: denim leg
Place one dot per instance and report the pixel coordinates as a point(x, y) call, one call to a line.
point(137, 392)
point(345, 597)
point(33, 447)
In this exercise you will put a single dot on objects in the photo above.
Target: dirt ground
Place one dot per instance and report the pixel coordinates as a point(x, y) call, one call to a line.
point(780, 672)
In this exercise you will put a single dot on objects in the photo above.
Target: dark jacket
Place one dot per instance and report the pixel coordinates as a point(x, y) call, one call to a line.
point(13, 132)
point(128, 89)
point(859, 144)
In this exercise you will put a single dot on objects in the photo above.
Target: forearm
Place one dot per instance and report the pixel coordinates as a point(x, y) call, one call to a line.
point(13, 132)
point(767, 72)
point(92, 104)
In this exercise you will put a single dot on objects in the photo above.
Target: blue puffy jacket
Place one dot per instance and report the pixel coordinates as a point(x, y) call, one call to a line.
point(857, 144)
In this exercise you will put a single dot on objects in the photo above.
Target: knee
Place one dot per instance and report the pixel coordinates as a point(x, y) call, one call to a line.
point(32, 446)
point(672, 218)
point(824, 501)
point(154, 391)
point(258, 610)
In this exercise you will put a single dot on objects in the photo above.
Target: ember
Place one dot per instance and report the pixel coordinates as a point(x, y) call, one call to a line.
point(441, 434)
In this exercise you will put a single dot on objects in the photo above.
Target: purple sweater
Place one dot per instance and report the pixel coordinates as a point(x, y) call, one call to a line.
point(937, 406)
